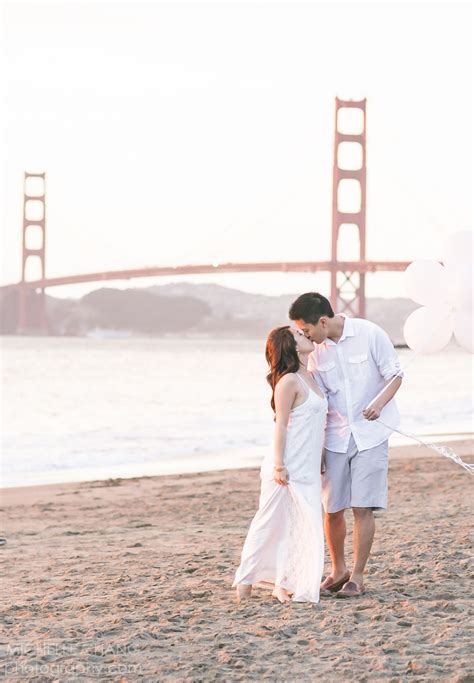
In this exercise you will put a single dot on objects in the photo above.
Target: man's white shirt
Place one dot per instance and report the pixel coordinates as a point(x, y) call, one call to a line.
point(351, 373)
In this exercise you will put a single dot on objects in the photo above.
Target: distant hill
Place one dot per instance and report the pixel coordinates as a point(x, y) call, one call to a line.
point(258, 312)
point(140, 310)
point(187, 308)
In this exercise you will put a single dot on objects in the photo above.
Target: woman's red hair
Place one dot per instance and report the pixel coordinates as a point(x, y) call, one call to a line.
point(281, 355)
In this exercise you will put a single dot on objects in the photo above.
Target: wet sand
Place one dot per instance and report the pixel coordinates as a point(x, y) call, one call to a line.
point(130, 579)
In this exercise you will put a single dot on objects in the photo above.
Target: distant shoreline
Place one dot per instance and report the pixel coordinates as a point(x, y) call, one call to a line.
point(463, 446)
point(186, 308)
point(134, 335)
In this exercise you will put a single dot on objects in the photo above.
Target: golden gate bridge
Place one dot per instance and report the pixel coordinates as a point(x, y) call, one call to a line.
point(347, 289)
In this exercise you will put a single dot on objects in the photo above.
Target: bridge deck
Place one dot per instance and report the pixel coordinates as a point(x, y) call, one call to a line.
point(263, 267)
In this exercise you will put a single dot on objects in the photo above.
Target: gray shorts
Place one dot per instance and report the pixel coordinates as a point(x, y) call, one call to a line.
point(356, 478)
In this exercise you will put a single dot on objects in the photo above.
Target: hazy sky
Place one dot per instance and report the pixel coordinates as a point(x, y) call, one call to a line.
point(176, 133)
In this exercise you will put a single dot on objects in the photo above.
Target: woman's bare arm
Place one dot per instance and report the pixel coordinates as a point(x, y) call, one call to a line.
point(285, 394)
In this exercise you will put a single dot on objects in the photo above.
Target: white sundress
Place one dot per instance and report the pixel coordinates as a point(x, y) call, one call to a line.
point(285, 542)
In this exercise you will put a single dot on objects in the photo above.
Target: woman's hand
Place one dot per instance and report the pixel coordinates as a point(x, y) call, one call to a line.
point(280, 475)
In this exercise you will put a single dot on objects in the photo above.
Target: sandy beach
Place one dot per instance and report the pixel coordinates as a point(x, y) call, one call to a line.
point(129, 579)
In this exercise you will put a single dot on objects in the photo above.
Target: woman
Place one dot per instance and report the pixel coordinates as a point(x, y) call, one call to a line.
point(284, 548)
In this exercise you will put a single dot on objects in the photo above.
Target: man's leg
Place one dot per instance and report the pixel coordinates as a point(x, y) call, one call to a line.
point(363, 535)
point(368, 492)
point(336, 497)
point(335, 532)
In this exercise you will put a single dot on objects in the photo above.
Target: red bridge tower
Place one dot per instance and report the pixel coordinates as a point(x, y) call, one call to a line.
point(349, 178)
point(32, 316)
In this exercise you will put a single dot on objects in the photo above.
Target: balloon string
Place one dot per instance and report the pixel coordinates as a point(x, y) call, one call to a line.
point(442, 450)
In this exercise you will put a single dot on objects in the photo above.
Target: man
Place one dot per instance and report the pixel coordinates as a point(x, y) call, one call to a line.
point(352, 362)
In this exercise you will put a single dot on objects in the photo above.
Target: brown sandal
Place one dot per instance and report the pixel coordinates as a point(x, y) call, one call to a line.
point(350, 590)
point(335, 586)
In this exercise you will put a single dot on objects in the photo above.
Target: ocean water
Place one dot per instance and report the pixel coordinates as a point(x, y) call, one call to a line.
point(86, 408)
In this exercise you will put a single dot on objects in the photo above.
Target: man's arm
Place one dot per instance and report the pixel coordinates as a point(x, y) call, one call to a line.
point(372, 412)
point(390, 369)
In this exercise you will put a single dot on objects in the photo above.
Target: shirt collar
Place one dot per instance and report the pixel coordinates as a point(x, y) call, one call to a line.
point(347, 330)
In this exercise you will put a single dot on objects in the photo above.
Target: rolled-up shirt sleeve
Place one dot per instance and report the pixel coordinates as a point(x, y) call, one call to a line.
point(384, 354)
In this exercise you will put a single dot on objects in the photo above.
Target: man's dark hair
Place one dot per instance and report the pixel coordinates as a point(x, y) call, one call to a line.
point(310, 307)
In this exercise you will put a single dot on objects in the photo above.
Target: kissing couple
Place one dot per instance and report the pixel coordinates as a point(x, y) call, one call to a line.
point(328, 449)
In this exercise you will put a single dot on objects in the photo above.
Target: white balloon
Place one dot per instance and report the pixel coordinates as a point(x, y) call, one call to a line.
point(426, 282)
point(428, 329)
point(458, 249)
point(459, 286)
point(467, 285)
point(464, 329)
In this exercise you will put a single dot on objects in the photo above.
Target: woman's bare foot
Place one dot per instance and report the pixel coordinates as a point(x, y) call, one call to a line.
point(243, 591)
point(281, 594)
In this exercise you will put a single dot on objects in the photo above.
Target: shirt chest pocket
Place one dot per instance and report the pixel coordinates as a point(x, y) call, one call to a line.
point(358, 365)
point(330, 375)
